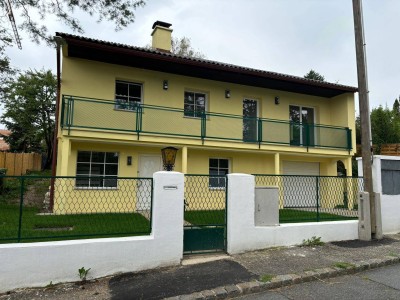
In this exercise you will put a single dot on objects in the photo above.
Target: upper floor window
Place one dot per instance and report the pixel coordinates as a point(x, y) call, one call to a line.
point(195, 104)
point(97, 169)
point(128, 95)
point(219, 167)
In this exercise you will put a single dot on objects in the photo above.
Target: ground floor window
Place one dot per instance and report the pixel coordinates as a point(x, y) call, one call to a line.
point(97, 169)
point(218, 166)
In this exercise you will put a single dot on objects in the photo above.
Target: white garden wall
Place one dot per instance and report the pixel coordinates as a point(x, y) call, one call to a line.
point(390, 204)
point(36, 264)
point(243, 235)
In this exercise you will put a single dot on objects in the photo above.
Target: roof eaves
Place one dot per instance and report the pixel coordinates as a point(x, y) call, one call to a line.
point(214, 64)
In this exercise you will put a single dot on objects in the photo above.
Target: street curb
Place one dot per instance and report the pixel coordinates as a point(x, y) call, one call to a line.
point(243, 288)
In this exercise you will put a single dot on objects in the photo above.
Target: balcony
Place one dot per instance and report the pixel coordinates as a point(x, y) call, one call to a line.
point(106, 115)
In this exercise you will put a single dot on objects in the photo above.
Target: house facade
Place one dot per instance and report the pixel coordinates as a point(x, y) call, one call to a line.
point(120, 105)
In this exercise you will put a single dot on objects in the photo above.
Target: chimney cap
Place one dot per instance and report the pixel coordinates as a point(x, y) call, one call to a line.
point(162, 24)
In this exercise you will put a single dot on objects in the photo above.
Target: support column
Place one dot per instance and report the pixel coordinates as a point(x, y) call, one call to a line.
point(184, 160)
point(65, 157)
point(277, 164)
point(349, 166)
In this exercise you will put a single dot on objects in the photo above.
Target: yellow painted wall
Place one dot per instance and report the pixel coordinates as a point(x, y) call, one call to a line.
point(92, 79)
point(97, 80)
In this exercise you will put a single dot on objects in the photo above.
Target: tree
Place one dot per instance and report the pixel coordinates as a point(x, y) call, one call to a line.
point(314, 75)
point(29, 110)
point(182, 46)
point(33, 13)
point(384, 126)
point(396, 107)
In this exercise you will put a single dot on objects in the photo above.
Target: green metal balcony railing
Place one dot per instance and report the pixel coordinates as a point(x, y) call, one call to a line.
point(95, 114)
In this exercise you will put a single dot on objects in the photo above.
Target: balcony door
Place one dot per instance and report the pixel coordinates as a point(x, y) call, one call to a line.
point(250, 111)
point(302, 131)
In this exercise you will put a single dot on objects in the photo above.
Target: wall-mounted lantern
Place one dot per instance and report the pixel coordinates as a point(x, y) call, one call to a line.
point(168, 157)
point(165, 85)
point(227, 94)
point(276, 100)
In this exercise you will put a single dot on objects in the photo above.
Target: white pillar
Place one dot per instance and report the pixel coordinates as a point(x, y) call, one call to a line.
point(240, 214)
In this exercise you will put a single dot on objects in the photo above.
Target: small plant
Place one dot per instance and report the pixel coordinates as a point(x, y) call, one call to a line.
point(393, 254)
point(314, 241)
point(343, 265)
point(83, 273)
point(266, 277)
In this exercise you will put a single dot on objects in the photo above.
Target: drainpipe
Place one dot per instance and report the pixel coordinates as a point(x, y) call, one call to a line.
point(55, 140)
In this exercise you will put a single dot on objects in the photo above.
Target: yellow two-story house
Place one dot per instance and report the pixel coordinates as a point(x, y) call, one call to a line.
point(120, 105)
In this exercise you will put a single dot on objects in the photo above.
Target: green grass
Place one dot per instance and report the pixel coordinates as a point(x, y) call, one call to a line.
point(343, 265)
point(215, 217)
point(205, 217)
point(296, 216)
point(266, 277)
point(56, 227)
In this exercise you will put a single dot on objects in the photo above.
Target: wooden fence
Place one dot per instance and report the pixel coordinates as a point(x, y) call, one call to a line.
point(20, 163)
point(386, 149)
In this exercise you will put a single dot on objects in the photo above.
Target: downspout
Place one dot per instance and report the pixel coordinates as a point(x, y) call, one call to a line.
point(55, 139)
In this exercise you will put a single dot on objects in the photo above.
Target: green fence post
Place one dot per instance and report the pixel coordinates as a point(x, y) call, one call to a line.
point(139, 113)
point(203, 127)
point(259, 132)
point(62, 112)
point(21, 203)
point(307, 135)
point(317, 196)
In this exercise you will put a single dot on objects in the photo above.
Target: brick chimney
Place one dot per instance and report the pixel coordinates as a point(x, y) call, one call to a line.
point(161, 36)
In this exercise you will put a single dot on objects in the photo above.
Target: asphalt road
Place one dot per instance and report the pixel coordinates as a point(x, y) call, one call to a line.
point(382, 283)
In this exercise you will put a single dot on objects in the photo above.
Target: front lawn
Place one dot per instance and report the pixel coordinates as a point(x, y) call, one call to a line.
point(36, 227)
point(216, 217)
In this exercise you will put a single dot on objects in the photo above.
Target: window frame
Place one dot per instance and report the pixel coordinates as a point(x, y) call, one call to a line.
point(228, 169)
point(131, 104)
point(90, 175)
point(195, 113)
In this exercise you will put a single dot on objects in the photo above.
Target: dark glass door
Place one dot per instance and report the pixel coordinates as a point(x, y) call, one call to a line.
point(249, 120)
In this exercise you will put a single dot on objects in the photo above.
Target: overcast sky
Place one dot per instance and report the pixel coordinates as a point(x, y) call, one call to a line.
point(286, 36)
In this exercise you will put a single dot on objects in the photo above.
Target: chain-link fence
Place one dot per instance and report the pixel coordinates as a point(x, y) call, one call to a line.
point(76, 207)
point(314, 198)
point(205, 198)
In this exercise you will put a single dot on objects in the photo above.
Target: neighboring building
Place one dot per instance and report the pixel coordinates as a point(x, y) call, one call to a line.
point(122, 104)
point(4, 146)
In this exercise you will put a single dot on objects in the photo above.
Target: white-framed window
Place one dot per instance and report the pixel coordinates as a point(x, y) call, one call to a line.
point(194, 104)
point(128, 95)
point(97, 169)
point(220, 167)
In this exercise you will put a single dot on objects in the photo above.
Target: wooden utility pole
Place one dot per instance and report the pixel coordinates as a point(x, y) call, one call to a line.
point(366, 139)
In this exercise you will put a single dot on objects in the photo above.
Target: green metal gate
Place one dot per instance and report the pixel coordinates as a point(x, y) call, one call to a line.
point(205, 213)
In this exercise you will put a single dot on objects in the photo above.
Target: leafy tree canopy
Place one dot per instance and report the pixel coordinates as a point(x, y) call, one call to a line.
point(314, 75)
point(183, 46)
point(31, 17)
point(385, 126)
point(29, 111)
